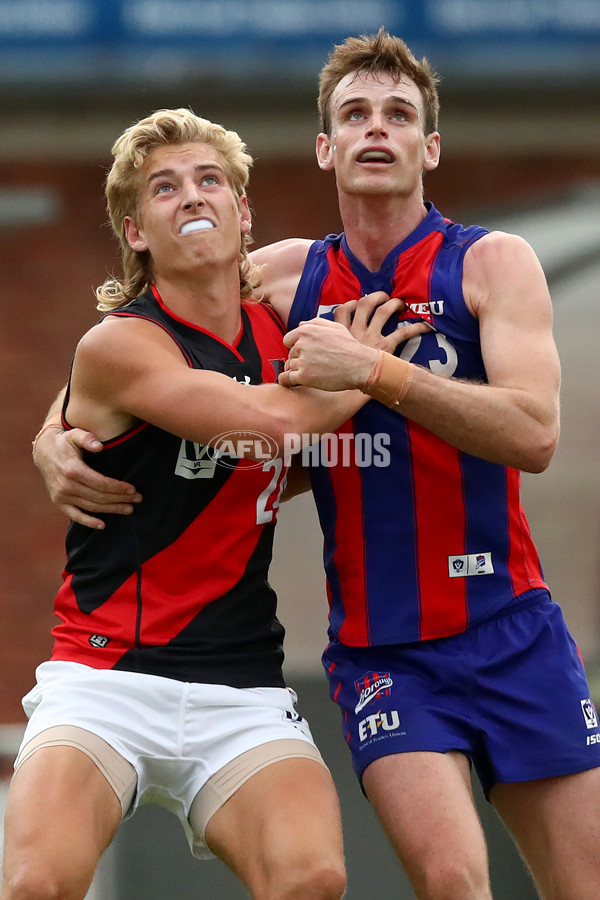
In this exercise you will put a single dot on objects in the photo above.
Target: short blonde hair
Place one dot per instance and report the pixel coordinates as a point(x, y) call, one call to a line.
point(164, 127)
point(378, 53)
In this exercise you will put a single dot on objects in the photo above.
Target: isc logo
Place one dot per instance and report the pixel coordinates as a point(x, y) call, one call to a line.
point(371, 725)
point(593, 739)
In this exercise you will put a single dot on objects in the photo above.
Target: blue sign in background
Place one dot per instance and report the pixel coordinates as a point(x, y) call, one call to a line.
point(48, 40)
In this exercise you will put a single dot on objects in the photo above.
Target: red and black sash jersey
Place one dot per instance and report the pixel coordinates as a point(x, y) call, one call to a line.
point(425, 540)
point(180, 588)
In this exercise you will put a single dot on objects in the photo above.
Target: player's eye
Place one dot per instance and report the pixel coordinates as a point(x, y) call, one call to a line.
point(403, 114)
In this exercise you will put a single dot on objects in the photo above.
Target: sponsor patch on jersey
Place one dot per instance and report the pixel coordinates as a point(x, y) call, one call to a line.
point(470, 564)
point(421, 311)
point(370, 686)
point(589, 713)
point(99, 640)
point(195, 461)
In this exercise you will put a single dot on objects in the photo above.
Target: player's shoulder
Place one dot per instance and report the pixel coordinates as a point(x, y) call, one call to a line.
point(288, 254)
point(501, 265)
point(118, 340)
point(281, 269)
point(498, 251)
point(497, 244)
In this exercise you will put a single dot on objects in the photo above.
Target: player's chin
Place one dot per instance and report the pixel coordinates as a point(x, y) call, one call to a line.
point(376, 183)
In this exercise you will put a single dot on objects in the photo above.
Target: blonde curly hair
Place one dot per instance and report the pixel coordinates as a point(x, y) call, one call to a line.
point(164, 127)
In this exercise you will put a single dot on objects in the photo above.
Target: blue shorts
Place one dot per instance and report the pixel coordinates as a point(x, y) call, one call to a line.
point(511, 694)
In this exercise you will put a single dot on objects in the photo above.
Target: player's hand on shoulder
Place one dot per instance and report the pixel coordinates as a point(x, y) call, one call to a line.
point(323, 354)
point(73, 486)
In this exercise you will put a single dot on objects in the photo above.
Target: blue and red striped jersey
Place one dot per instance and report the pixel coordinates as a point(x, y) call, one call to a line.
point(421, 540)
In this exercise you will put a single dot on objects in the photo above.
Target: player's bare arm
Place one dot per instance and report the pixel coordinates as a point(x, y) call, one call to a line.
point(282, 264)
point(512, 420)
point(73, 484)
point(128, 370)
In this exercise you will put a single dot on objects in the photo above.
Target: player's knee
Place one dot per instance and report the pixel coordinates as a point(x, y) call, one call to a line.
point(456, 879)
point(32, 881)
point(323, 879)
point(327, 881)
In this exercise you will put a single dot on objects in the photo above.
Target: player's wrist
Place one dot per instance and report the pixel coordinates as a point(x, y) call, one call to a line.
point(42, 431)
point(364, 362)
point(389, 380)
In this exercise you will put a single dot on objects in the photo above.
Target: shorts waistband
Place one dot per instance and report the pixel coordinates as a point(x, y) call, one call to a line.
point(529, 599)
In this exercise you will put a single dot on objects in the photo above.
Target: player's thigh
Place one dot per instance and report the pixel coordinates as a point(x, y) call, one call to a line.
point(556, 823)
point(282, 824)
point(61, 806)
point(425, 803)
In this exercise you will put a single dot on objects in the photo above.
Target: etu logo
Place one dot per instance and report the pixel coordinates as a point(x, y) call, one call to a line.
point(370, 726)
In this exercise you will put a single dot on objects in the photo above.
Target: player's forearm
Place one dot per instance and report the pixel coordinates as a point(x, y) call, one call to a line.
point(52, 421)
point(308, 411)
point(291, 418)
point(501, 424)
point(53, 416)
point(203, 406)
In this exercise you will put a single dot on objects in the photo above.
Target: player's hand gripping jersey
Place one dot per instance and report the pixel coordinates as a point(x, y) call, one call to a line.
point(183, 591)
point(421, 540)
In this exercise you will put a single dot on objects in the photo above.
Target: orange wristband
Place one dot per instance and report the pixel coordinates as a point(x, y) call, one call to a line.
point(389, 380)
point(40, 433)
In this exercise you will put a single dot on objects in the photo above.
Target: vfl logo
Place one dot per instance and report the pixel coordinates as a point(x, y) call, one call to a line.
point(369, 727)
point(372, 685)
point(98, 640)
point(589, 713)
point(470, 564)
point(195, 461)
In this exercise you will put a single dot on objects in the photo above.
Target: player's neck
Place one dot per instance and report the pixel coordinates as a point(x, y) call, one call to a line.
point(211, 303)
point(374, 225)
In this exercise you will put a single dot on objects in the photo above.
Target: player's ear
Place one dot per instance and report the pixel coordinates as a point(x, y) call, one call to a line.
point(246, 215)
point(432, 151)
point(325, 150)
point(134, 236)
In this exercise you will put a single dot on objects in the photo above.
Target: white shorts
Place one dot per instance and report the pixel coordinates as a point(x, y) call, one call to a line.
point(176, 735)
